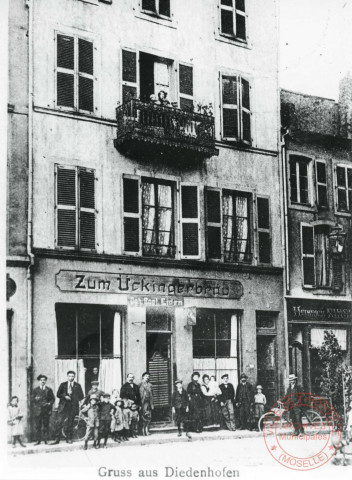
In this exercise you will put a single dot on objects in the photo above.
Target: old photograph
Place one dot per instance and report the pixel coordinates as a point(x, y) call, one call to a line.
point(178, 193)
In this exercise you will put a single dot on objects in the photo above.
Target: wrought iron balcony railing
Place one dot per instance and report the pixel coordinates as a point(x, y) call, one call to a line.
point(147, 126)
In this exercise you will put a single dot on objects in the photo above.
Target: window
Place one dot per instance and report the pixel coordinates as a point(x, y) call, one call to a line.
point(321, 184)
point(149, 217)
point(74, 73)
point(185, 83)
point(75, 208)
point(319, 269)
point(299, 181)
point(190, 221)
point(233, 19)
point(215, 343)
point(161, 8)
point(344, 189)
point(236, 115)
point(264, 243)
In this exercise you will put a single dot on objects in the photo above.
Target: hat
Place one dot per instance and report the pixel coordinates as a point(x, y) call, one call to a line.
point(42, 376)
point(145, 373)
point(178, 381)
point(94, 382)
point(259, 386)
point(243, 375)
point(106, 395)
point(195, 373)
point(292, 376)
point(226, 375)
point(93, 397)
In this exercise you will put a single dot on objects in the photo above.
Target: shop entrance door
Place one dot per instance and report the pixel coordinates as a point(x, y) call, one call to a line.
point(266, 361)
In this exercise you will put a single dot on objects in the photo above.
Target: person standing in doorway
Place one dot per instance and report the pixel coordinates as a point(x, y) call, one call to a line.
point(244, 400)
point(70, 394)
point(147, 404)
point(226, 400)
point(42, 402)
point(130, 391)
point(195, 398)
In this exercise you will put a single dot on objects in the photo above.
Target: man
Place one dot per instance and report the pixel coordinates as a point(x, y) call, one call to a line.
point(94, 391)
point(42, 401)
point(295, 410)
point(130, 391)
point(244, 400)
point(226, 400)
point(147, 405)
point(70, 394)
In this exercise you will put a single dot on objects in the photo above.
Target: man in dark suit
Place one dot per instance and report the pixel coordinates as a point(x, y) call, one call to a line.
point(42, 402)
point(130, 391)
point(70, 394)
point(226, 402)
point(295, 410)
point(244, 400)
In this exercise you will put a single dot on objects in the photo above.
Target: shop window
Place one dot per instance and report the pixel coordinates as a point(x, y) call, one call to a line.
point(75, 208)
point(160, 8)
point(74, 73)
point(215, 343)
point(299, 179)
point(233, 19)
point(236, 109)
point(344, 189)
point(321, 184)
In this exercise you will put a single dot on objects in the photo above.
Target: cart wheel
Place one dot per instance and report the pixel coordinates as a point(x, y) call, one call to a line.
point(79, 429)
point(267, 420)
point(313, 424)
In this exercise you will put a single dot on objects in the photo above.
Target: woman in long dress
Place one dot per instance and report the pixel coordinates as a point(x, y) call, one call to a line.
point(195, 397)
point(208, 398)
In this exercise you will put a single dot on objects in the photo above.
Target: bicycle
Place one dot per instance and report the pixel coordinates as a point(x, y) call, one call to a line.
point(79, 428)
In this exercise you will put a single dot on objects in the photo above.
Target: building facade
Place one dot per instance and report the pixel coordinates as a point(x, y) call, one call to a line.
point(154, 235)
point(318, 203)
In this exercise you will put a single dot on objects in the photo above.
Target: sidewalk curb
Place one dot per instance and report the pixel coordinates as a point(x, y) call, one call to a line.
point(141, 441)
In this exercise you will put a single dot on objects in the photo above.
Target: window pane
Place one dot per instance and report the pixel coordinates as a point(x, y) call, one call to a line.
point(240, 5)
point(229, 90)
point(227, 22)
point(341, 177)
point(245, 94)
point(65, 52)
point(246, 125)
point(87, 230)
point(85, 94)
point(66, 186)
point(203, 348)
point(213, 206)
point(349, 177)
point(66, 228)
point(131, 228)
point(189, 201)
point(263, 213)
point(164, 7)
point(65, 90)
point(303, 182)
point(148, 5)
point(157, 319)
point(130, 195)
point(342, 200)
point(85, 56)
point(293, 181)
point(307, 240)
point(228, 3)
point(66, 330)
point(264, 247)
point(241, 27)
point(205, 327)
point(214, 242)
point(129, 66)
point(230, 123)
point(321, 172)
point(308, 271)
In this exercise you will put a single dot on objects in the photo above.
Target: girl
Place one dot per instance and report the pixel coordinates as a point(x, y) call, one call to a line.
point(117, 421)
point(15, 422)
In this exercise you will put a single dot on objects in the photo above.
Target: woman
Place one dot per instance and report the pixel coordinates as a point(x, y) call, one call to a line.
point(208, 399)
point(195, 397)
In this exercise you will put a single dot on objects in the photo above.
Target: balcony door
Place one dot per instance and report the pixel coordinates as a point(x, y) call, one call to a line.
point(155, 75)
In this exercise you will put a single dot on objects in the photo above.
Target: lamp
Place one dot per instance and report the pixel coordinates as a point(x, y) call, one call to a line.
point(337, 239)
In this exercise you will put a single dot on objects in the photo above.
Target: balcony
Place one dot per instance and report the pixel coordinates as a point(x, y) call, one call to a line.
point(148, 129)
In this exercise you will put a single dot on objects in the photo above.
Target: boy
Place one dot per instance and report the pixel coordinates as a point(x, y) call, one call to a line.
point(180, 408)
point(92, 410)
point(134, 420)
point(106, 412)
point(259, 404)
point(117, 421)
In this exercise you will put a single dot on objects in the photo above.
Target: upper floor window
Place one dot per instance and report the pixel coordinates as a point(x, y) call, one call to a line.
point(74, 73)
point(321, 184)
point(233, 19)
point(75, 208)
point(299, 179)
point(236, 114)
point(344, 188)
point(160, 8)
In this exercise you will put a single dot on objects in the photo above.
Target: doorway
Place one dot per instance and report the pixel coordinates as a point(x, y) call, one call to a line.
point(266, 361)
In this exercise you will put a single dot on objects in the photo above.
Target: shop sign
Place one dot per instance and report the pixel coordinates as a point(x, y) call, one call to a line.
point(74, 281)
point(154, 301)
point(319, 310)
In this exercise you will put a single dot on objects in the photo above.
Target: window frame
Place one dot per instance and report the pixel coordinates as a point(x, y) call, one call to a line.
point(309, 160)
point(317, 184)
point(75, 71)
point(348, 212)
point(156, 13)
point(235, 12)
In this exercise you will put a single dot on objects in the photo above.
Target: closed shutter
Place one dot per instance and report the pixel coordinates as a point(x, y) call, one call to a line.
point(189, 221)
point(66, 203)
point(245, 111)
point(307, 249)
point(263, 222)
point(85, 77)
point(186, 87)
point(131, 209)
point(87, 209)
point(129, 75)
point(213, 222)
point(65, 71)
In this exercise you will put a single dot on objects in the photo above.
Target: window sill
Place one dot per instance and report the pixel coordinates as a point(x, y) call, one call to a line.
point(302, 207)
point(153, 18)
point(220, 37)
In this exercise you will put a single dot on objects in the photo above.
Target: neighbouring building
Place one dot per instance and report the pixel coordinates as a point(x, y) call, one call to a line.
point(148, 164)
point(318, 204)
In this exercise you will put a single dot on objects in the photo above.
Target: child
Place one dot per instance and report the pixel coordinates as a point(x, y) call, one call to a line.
point(15, 422)
point(92, 410)
point(106, 412)
point(259, 404)
point(115, 395)
point(127, 417)
point(117, 421)
point(134, 420)
point(180, 408)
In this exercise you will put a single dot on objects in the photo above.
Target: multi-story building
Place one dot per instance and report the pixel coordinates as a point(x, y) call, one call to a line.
point(318, 205)
point(152, 177)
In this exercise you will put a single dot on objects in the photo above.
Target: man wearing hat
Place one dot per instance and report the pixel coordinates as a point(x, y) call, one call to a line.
point(295, 411)
point(42, 402)
point(226, 402)
point(130, 391)
point(244, 400)
point(180, 408)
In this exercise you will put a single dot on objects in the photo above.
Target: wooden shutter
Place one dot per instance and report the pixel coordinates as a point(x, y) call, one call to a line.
point(189, 221)
point(229, 98)
point(263, 222)
point(308, 260)
point(213, 223)
point(65, 80)
point(132, 217)
point(66, 207)
point(85, 75)
point(186, 87)
point(86, 209)
point(129, 75)
point(245, 111)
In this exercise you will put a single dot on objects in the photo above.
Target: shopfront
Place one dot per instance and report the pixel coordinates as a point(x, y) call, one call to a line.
point(308, 320)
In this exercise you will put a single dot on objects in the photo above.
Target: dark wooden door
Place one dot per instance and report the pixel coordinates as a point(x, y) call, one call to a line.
point(267, 369)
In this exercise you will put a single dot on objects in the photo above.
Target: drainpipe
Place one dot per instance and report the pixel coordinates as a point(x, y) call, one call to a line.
point(29, 5)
